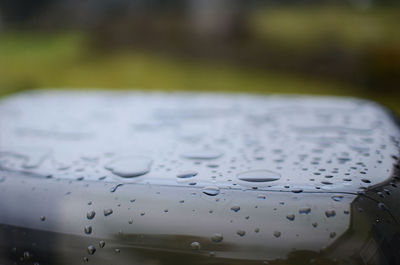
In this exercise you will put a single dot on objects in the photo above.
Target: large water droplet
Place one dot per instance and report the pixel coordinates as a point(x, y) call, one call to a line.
point(185, 175)
point(128, 167)
point(259, 176)
point(211, 190)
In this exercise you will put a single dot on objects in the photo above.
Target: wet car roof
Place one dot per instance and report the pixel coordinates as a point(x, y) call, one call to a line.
point(272, 143)
point(233, 177)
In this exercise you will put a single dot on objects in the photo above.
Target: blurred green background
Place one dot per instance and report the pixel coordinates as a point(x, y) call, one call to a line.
point(347, 48)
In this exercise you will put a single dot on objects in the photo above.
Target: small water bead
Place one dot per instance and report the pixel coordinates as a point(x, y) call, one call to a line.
point(91, 249)
point(195, 245)
point(291, 217)
point(277, 234)
point(241, 232)
point(130, 221)
point(90, 215)
point(88, 229)
point(114, 188)
point(337, 198)
point(102, 244)
point(217, 238)
point(257, 230)
point(330, 213)
point(108, 212)
point(186, 175)
point(382, 206)
point(366, 180)
point(259, 176)
point(42, 218)
point(85, 259)
point(211, 190)
point(27, 255)
point(117, 250)
point(332, 234)
point(235, 208)
point(305, 211)
point(261, 196)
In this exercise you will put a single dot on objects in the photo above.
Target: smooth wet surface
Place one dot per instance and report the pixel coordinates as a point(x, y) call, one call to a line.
point(138, 178)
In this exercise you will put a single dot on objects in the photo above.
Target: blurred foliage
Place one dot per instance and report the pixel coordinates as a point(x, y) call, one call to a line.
point(324, 50)
point(309, 27)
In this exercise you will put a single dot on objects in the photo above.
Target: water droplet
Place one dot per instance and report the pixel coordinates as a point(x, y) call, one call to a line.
point(382, 206)
point(305, 211)
point(27, 255)
point(330, 213)
point(102, 244)
point(332, 234)
point(337, 198)
point(91, 249)
point(261, 197)
point(43, 218)
point(129, 167)
point(217, 238)
point(186, 175)
point(206, 154)
point(290, 217)
point(90, 214)
point(277, 234)
point(241, 232)
point(235, 208)
point(259, 176)
point(107, 212)
point(88, 229)
point(117, 250)
point(195, 245)
point(114, 188)
point(297, 190)
point(211, 190)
